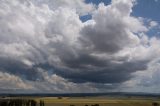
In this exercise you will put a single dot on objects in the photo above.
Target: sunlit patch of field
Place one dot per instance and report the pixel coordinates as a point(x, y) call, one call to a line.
point(53, 101)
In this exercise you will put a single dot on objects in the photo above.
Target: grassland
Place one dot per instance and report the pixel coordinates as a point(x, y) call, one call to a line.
point(101, 101)
point(88, 101)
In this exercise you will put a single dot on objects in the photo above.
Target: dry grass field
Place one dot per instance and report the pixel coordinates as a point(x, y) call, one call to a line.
point(103, 101)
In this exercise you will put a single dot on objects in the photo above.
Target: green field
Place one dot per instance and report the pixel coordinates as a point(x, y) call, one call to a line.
point(103, 101)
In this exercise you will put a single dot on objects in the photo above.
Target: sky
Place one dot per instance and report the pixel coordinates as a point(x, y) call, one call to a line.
point(79, 46)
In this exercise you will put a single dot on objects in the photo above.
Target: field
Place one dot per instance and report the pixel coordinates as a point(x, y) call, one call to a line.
point(89, 101)
point(100, 101)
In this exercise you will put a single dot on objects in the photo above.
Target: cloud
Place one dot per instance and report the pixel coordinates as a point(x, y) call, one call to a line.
point(45, 45)
point(79, 5)
point(153, 23)
point(146, 80)
point(8, 81)
point(105, 54)
point(112, 29)
point(156, 0)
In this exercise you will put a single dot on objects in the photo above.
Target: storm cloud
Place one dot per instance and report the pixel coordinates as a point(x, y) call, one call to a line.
point(44, 46)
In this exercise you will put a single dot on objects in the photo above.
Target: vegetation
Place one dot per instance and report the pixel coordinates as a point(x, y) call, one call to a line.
point(101, 101)
point(155, 104)
point(79, 101)
point(20, 102)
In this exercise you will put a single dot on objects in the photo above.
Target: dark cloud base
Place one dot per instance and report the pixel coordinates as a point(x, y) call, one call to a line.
point(49, 44)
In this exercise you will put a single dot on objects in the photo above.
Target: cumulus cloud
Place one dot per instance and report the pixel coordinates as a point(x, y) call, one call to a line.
point(8, 81)
point(45, 45)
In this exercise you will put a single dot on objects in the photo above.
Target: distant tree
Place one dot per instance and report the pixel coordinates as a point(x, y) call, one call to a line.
point(18, 102)
point(95, 105)
point(155, 104)
point(41, 103)
point(59, 97)
point(3, 103)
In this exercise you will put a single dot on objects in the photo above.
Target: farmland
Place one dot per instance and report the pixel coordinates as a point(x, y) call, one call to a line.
point(103, 101)
point(88, 101)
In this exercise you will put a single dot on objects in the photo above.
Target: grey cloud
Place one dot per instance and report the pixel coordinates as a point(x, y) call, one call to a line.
point(109, 33)
point(12, 82)
point(108, 73)
point(84, 61)
point(18, 68)
point(48, 47)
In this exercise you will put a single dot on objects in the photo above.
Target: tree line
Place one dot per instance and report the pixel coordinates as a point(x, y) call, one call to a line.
point(20, 102)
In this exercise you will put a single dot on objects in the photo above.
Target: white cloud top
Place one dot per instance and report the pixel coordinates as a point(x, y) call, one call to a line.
point(45, 47)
